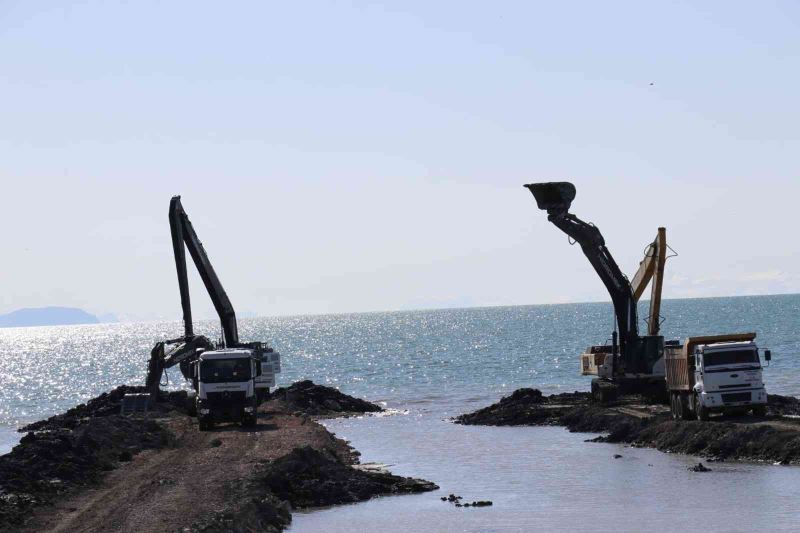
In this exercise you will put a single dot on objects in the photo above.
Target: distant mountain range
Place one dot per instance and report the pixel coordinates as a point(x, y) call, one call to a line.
point(47, 316)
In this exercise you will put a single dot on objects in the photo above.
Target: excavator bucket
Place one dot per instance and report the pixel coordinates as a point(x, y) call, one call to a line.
point(553, 197)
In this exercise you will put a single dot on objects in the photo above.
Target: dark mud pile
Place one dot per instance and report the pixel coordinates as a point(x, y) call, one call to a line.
point(773, 438)
point(107, 404)
point(783, 405)
point(311, 399)
point(309, 478)
point(526, 407)
point(75, 448)
point(306, 478)
point(265, 514)
point(49, 462)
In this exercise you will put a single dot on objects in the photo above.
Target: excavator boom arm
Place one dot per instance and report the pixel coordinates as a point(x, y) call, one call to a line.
point(556, 199)
point(183, 234)
point(594, 248)
point(651, 269)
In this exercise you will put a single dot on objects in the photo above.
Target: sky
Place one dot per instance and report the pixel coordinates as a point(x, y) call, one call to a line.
point(360, 156)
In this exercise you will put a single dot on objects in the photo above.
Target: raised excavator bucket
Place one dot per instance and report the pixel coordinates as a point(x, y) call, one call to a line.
point(553, 197)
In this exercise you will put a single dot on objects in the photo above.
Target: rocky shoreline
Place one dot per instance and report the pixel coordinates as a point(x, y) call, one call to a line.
point(289, 462)
point(774, 438)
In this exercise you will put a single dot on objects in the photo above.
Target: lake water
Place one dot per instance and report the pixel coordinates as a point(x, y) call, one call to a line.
point(432, 365)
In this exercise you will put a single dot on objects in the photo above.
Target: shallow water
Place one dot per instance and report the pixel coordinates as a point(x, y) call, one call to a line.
point(547, 479)
point(437, 364)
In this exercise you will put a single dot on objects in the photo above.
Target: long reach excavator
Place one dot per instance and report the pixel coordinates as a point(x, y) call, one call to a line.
point(230, 377)
point(632, 362)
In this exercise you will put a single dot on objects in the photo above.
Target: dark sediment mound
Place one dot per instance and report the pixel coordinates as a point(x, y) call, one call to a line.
point(265, 514)
point(47, 463)
point(107, 404)
point(318, 400)
point(303, 479)
point(783, 405)
point(74, 448)
point(718, 440)
point(309, 478)
point(525, 407)
point(771, 439)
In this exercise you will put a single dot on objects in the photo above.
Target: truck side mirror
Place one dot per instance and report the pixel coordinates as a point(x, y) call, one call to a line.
point(768, 355)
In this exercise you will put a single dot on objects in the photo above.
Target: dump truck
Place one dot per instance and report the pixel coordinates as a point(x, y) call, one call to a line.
point(226, 387)
point(715, 374)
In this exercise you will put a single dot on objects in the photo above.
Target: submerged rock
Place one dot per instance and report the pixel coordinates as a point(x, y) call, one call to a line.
point(308, 398)
point(699, 467)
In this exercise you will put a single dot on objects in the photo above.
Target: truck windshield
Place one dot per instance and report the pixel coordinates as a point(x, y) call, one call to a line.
point(732, 357)
point(225, 370)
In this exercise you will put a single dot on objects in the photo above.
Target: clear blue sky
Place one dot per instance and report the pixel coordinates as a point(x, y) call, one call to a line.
point(362, 156)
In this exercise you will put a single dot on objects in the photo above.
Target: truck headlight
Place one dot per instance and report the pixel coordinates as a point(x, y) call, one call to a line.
point(204, 411)
point(248, 409)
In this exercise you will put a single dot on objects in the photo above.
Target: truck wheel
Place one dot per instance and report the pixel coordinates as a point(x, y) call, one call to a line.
point(249, 421)
point(700, 409)
point(683, 400)
point(678, 407)
point(191, 406)
point(672, 409)
point(760, 410)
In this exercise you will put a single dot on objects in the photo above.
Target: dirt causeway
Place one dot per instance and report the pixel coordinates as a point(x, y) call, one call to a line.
point(162, 474)
point(773, 438)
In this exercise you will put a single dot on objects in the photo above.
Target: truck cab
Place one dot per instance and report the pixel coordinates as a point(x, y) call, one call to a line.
point(226, 387)
point(728, 375)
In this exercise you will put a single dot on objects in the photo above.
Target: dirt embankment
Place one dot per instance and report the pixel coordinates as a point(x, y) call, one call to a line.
point(92, 469)
point(774, 438)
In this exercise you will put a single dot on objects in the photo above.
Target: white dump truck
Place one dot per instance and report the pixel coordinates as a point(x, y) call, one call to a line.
point(226, 387)
point(715, 374)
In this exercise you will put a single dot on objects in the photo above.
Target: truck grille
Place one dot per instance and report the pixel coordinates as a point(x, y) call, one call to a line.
point(734, 397)
point(225, 398)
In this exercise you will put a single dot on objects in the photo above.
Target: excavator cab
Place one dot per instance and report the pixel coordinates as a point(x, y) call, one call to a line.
point(554, 197)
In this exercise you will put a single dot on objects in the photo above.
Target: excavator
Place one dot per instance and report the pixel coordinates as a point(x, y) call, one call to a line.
point(189, 350)
point(632, 363)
